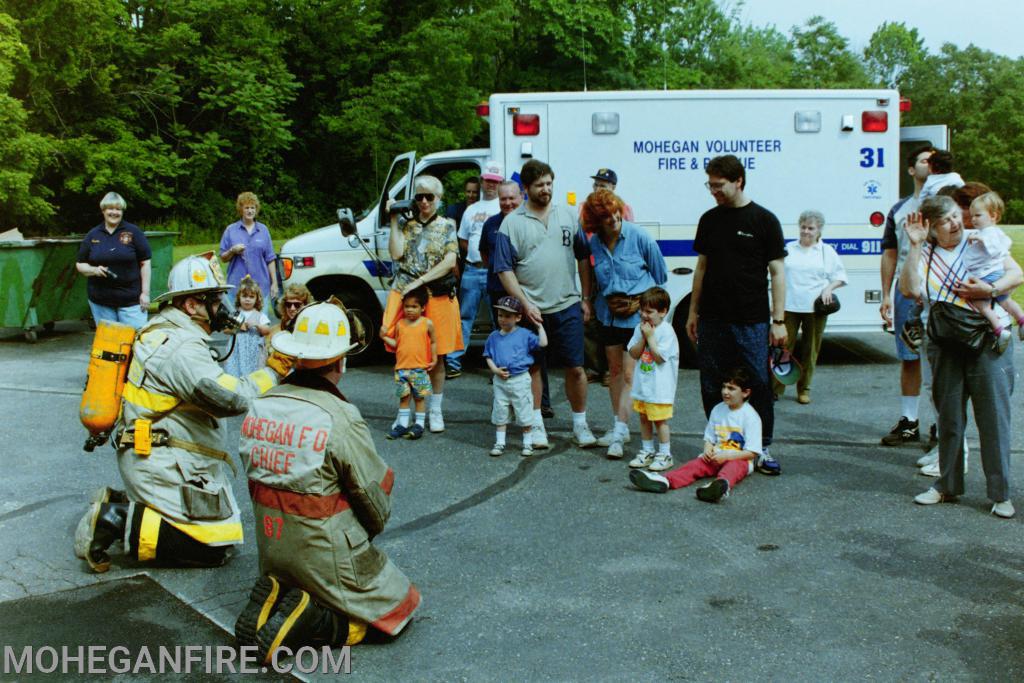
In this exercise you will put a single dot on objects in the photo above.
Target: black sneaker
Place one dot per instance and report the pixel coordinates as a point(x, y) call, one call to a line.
point(713, 492)
point(546, 412)
point(452, 373)
point(912, 334)
point(904, 432)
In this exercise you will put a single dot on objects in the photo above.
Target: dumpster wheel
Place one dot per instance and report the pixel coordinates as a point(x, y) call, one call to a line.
point(31, 336)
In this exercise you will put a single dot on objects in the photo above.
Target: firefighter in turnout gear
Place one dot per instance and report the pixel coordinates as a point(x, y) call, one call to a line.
point(320, 494)
point(177, 506)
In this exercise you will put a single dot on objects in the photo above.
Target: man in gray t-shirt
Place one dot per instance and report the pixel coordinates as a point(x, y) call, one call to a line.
point(535, 261)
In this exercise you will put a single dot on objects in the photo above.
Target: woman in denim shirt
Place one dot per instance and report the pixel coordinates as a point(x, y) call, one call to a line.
point(627, 262)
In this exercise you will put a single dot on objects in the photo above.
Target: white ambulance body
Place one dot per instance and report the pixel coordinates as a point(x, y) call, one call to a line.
point(835, 151)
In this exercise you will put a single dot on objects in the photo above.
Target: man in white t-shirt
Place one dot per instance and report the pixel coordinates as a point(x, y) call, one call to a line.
point(473, 289)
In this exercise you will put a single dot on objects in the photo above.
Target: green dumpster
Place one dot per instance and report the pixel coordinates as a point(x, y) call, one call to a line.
point(39, 284)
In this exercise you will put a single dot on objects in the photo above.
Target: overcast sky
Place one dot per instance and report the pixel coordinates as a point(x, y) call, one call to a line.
point(994, 25)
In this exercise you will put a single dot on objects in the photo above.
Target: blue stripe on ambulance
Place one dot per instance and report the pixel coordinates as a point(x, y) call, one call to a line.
point(844, 247)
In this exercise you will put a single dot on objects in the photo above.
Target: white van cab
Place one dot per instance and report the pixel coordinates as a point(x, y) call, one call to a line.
point(840, 152)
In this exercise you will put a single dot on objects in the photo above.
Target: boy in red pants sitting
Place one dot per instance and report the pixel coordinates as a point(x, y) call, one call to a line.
point(732, 442)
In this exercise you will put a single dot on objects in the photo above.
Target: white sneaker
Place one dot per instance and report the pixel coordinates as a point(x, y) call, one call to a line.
point(614, 449)
point(583, 437)
point(931, 497)
point(1004, 509)
point(642, 459)
point(436, 421)
point(539, 437)
point(498, 449)
point(660, 463)
point(929, 458)
point(610, 436)
point(933, 469)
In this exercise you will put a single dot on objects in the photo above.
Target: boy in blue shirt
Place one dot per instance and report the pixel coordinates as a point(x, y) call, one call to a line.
point(509, 354)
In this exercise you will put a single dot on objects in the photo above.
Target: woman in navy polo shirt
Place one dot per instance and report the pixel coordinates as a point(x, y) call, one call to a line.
point(115, 257)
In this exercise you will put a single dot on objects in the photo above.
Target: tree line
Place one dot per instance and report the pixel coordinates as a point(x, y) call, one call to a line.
point(178, 105)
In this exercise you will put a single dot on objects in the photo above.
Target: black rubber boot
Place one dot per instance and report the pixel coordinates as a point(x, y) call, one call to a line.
point(99, 528)
point(263, 599)
point(299, 621)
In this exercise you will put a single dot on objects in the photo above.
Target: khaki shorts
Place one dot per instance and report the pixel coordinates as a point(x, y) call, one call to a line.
point(514, 392)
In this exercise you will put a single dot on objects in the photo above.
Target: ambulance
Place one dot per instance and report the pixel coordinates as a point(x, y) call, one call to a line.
point(841, 152)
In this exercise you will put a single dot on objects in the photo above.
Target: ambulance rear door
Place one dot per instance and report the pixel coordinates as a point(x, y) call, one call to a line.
point(912, 137)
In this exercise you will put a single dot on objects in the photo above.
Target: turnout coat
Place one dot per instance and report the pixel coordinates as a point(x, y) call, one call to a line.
point(320, 494)
point(175, 383)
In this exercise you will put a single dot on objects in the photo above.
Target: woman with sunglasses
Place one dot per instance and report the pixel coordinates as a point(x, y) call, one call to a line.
point(424, 248)
point(295, 297)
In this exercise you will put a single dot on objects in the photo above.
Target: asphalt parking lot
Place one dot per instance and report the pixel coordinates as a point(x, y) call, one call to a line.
point(554, 567)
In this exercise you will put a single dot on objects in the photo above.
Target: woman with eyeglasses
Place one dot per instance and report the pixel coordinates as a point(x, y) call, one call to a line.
point(813, 271)
point(424, 248)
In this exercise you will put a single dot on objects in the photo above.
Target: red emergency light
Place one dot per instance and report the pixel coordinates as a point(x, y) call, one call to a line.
point(904, 104)
point(874, 121)
point(877, 219)
point(483, 110)
point(526, 124)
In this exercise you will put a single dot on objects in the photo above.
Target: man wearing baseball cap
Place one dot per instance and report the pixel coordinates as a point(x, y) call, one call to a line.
point(474, 274)
point(607, 179)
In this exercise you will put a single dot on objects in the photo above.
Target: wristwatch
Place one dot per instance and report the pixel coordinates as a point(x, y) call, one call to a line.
point(778, 322)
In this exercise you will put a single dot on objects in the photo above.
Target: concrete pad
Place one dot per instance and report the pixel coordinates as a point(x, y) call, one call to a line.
point(556, 568)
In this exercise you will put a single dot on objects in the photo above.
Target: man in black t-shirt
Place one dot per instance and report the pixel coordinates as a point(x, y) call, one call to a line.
point(739, 245)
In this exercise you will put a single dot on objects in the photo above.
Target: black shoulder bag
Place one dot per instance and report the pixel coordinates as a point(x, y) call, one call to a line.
point(953, 327)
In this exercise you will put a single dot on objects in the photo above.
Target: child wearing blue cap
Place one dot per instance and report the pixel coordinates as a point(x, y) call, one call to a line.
point(509, 354)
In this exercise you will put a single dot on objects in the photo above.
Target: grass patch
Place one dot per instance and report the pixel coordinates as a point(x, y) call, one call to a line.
point(1016, 233)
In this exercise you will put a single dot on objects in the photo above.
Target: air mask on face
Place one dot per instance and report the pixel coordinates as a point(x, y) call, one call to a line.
point(225, 318)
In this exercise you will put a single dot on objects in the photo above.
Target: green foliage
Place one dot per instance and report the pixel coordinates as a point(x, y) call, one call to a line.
point(179, 105)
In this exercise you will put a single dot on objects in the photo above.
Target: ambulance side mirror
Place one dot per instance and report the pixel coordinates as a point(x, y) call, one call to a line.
point(347, 222)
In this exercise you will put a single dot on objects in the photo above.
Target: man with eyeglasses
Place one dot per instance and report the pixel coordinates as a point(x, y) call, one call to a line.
point(740, 248)
point(473, 288)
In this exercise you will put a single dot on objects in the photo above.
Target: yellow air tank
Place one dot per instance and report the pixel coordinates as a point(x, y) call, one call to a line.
point(108, 366)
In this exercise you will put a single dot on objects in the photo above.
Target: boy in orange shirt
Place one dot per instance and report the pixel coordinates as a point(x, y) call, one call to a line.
point(415, 355)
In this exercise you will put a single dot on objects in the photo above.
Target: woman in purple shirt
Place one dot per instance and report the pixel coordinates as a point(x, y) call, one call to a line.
point(247, 249)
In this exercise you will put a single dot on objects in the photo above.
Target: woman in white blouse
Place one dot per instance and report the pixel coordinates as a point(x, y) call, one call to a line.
point(813, 271)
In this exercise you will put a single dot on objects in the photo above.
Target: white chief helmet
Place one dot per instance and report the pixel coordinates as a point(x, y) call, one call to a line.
point(322, 334)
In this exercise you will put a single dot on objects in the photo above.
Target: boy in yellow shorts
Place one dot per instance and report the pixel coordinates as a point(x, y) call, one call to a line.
point(656, 349)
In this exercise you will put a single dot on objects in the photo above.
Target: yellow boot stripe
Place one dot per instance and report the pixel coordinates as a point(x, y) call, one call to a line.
point(268, 604)
point(211, 534)
point(149, 534)
point(263, 379)
point(356, 631)
point(229, 382)
point(287, 626)
point(149, 400)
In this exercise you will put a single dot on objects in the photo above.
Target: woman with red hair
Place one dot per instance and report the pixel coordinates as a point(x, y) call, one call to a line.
point(627, 262)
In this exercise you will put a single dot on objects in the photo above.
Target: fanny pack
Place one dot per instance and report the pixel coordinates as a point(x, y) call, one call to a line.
point(622, 305)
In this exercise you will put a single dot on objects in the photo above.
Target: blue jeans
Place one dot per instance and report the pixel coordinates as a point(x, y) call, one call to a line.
point(472, 291)
point(722, 346)
point(127, 315)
